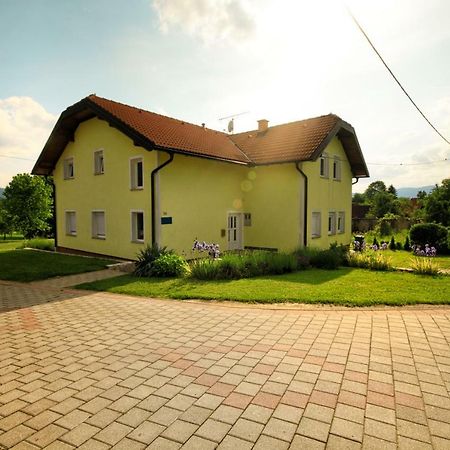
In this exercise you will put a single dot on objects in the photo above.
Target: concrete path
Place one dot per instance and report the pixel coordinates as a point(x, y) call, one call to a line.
point(98, 371)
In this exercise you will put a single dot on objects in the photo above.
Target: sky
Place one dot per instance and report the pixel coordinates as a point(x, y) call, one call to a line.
point(202, 60)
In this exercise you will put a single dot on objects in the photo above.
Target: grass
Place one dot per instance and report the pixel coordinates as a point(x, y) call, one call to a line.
point(344, 286)
point(31, 265)
point(401, 258)
point(10, 244)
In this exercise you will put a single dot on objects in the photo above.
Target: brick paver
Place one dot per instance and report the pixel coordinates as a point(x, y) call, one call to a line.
point(96, 370)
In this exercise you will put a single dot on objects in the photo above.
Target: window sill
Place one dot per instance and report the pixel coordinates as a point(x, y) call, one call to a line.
point(69, 178)
point(315, 236)
point(336, 179)
point(71, 234)
point(99, 173)
point(137, 241)
point(102, 238)
point(141, 188)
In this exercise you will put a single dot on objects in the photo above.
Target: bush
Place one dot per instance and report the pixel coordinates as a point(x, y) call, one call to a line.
point(372, 261)
point(204, 269)
point(398, 246)
point(392, 245)
point(432, 234)
point(169, 265)
point(40, 244)
point(407, 245)
point(425, 266)
point(234, 266)
point(146, 259)
point(329, 259)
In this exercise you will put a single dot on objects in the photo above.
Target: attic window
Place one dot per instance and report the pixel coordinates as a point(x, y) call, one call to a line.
point(336, 168)
point(68, 168)
point(324, 166)
point(99, 166)
point(137, 173)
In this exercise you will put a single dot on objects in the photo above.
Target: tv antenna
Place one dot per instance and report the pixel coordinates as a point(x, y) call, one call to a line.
point(230, 126)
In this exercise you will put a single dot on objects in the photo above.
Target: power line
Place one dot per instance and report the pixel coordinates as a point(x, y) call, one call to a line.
point(395, 78)
point(408, 164)
point(16, 157)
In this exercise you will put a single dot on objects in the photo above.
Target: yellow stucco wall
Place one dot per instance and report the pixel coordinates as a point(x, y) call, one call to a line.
point(272, 196)
point(109, 192)
point(196, 193)
point(327, 194)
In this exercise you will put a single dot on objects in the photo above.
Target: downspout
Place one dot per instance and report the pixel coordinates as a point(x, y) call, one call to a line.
point(357, 179)
point(305, 218)
point(154, 172)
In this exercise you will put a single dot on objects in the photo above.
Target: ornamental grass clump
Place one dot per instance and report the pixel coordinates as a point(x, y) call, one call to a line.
point(424, 266)
point(155, 261)
point(40, 244)
point(372, 261)
point(204, 269)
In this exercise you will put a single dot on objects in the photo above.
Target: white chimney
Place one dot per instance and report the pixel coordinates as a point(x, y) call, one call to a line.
point(263, 124)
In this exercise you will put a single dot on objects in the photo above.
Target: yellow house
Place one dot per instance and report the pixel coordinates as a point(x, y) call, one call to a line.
point(125, 177)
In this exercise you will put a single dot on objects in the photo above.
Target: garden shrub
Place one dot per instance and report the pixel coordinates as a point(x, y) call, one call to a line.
point(432, 234)
point(407, 245)
point(40, 244)
point(398, 246)
point(424, 266)
point(169, 265)
point(392, 245)
point(234, 266)
point(146, 259)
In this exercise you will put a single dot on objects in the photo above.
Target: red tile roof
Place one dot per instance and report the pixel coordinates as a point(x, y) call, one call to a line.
point(296, 141)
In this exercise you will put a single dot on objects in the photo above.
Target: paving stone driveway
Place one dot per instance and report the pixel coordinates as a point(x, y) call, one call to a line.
point(99, 371)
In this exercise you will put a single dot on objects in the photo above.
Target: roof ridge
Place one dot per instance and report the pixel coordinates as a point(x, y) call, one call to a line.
point(158, 114)
point(290, 123)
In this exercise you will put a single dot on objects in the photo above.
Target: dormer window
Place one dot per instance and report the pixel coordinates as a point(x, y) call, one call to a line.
point(68, 168)
point(99, 164)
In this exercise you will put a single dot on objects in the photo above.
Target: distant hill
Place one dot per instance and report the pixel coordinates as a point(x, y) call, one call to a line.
point(411, 192)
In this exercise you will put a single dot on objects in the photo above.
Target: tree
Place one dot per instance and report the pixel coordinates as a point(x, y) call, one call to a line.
point(28, 202)
point(383, 203)
point(5, 221)
point(391, 189)
point(373, 189)
point(437, 204)
point(358, 198)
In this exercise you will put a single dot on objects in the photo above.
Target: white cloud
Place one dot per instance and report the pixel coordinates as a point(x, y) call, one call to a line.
point(210, 20)
point(24, 128)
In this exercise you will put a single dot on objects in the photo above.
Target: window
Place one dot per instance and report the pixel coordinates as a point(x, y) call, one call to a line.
point(336, 168)
point(98, 225)
point(341, 222)
point(99, 166)
point(137, 226)
point(71, 223)
point(137, 173)
point(247, 220)
point(315, 225)
point(324, 166)
point(331, 223)
point(68, 168)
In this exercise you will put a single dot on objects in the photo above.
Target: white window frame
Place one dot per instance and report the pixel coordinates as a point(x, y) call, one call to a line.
point(331, 225)
point(337, 168)
point(134, 222)
point(316, 229)
point(71, 225)
point(341, 222)
point(95, 234)
point(133, 173)
point(326, 171)
point(69, 162)
point(97, 170)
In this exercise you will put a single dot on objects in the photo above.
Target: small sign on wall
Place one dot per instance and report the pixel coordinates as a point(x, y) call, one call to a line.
point(166, 220)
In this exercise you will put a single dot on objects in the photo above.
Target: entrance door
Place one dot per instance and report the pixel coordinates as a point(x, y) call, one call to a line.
point(234, 231)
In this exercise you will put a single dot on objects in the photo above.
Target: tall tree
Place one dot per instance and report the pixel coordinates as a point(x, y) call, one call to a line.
point(437, 204)
point(28, 202)
point(374, 188)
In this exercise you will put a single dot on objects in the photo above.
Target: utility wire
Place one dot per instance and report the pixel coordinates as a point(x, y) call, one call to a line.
point(395, 78)
point(408, 164)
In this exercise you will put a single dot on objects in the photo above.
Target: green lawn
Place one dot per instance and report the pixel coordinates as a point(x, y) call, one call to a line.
point(401, 258)
point(10, 244)
point(31, 265)
point(345, 286)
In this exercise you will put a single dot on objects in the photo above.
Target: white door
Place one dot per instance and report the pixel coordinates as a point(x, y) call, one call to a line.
point(234, 231)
